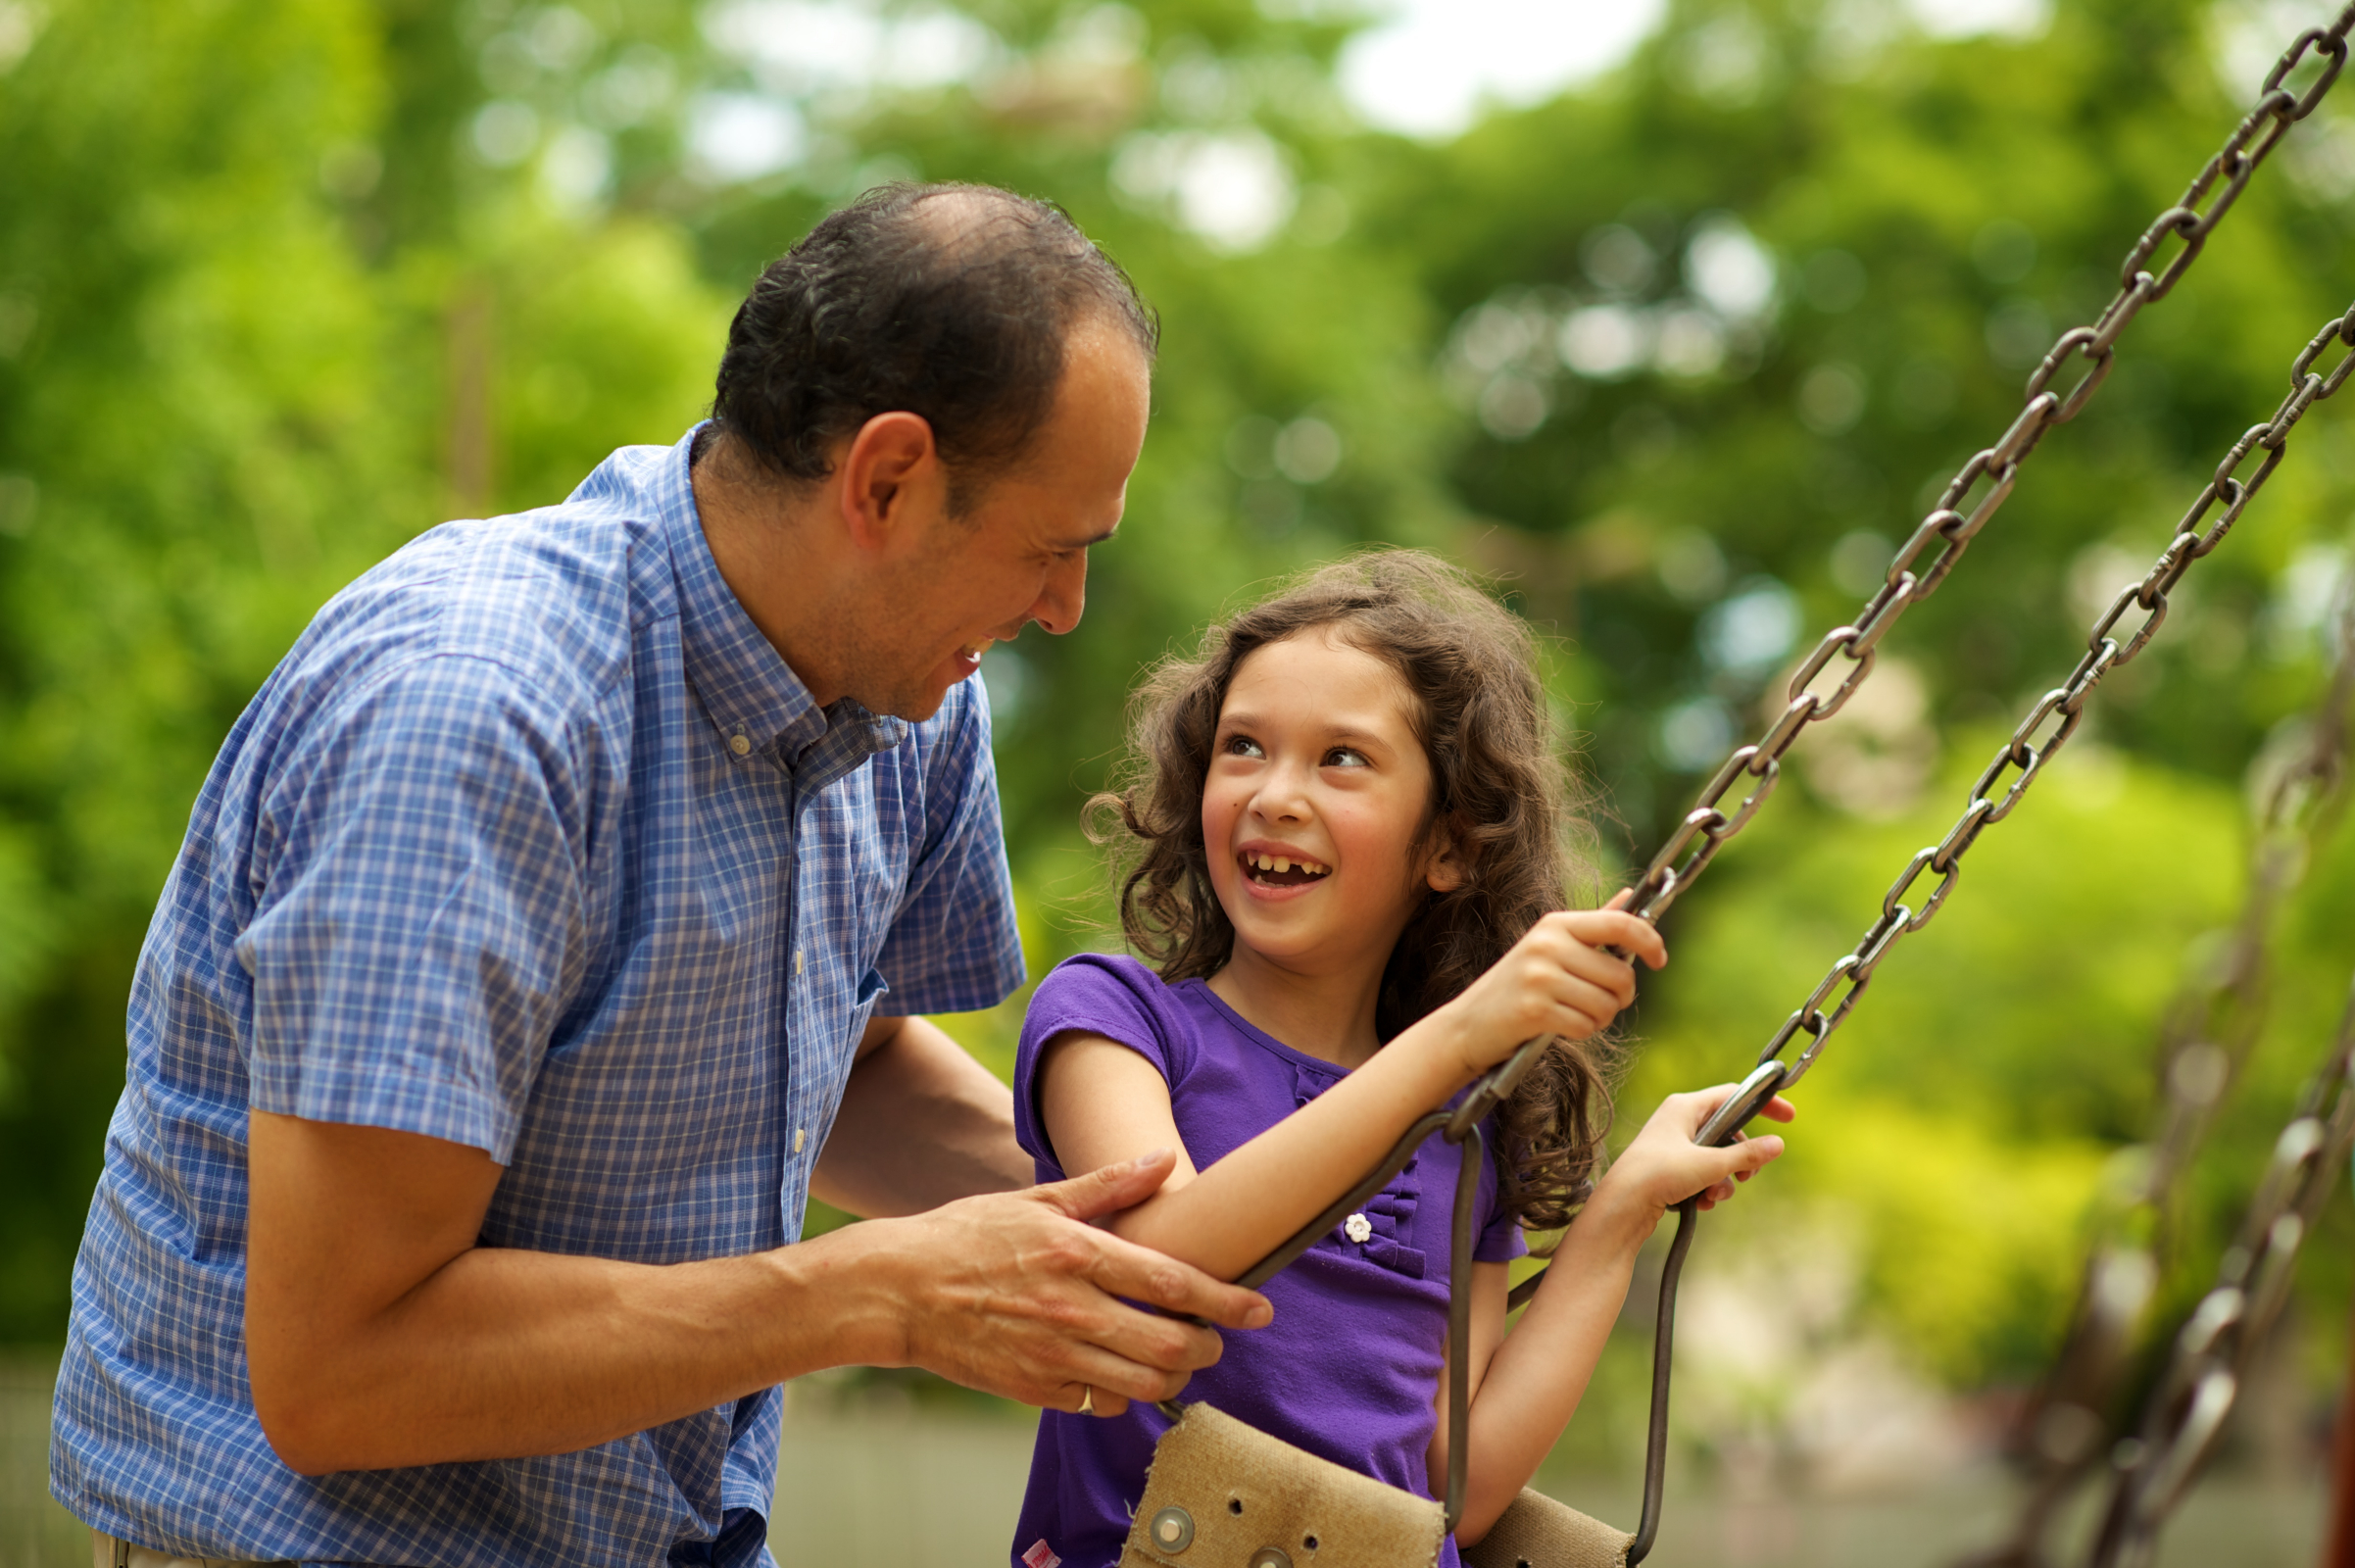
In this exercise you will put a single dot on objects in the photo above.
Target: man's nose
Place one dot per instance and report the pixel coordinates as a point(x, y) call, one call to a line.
point(1062, 597)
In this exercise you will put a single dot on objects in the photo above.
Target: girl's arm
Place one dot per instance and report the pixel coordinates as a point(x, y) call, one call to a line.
point(1102, 1103)
point(1526, 1384)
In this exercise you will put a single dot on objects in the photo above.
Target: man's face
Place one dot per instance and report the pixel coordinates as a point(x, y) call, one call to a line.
point(1019, 552)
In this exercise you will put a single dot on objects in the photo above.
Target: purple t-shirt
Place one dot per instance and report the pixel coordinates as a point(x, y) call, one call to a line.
point(1350, 1368)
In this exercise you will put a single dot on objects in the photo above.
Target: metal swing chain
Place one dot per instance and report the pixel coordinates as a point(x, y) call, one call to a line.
point(2214, 1349)
point(2054, 717)
point(2206, 1036)
point(1947, 531)
point(1704, 829)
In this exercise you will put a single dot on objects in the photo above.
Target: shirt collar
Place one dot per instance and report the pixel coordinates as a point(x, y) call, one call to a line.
point(748, 692)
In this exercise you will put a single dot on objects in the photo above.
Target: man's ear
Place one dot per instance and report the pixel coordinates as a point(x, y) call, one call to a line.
point(891, 471)
point(1450, 862)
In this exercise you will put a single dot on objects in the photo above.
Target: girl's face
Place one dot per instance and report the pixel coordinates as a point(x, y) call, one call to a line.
point(1314, 808)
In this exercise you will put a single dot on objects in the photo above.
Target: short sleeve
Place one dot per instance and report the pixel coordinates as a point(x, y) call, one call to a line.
point(1501, 1240)
point(419, 909)
point(954, 946)
point(1114, 997)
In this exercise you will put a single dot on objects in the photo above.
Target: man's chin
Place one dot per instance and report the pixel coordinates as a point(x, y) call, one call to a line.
point(920, 700)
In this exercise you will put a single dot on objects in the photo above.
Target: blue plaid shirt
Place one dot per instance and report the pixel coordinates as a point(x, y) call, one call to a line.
point(532, 843)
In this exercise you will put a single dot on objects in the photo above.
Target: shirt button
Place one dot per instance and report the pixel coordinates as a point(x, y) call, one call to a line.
point(740, 744)
point(796, 960)
point(801, 1136)
point(1357, 1228)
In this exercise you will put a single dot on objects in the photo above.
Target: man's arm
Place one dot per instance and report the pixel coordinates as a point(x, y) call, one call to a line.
point(921, 1124)
point(379, 1334)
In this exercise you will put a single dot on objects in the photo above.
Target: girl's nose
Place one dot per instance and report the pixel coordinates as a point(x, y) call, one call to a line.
point(1282, 796)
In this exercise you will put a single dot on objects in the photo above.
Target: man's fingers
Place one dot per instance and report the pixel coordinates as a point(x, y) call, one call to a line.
point(1107, 1188)
point(1140, 1274)
point(1106, 1405)
point(1113, 1377)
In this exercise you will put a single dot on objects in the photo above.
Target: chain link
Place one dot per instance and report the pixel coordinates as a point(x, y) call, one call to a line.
point(1947, 531)
point(2204, 1039)
point(2219, 1342)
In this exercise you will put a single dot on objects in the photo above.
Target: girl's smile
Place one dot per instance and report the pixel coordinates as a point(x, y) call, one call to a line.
point(1279, 870)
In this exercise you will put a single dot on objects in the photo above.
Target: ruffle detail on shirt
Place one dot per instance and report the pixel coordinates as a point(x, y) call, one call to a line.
point(1389, 1211)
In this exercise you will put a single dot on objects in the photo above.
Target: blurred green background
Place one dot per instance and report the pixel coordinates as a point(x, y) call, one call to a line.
point(1679, 353)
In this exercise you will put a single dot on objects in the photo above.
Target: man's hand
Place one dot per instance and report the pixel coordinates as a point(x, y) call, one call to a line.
point(1013, 1294)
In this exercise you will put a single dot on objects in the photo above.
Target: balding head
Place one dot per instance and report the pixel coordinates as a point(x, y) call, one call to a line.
point(956, 303)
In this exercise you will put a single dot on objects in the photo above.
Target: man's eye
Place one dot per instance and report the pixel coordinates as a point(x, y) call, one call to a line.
point(1345, 757)
point(1243, 746)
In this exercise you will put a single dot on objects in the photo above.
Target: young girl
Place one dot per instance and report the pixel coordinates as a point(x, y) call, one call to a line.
point(1346, 826)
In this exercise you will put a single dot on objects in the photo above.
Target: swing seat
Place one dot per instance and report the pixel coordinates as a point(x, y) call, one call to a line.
point(1222, 1493)
point(1538, 1532)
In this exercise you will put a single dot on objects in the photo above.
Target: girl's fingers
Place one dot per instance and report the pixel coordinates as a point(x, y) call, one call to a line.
point(1615, 928)
point(1599, 968)
point(1581, 994)
point(1612, 928)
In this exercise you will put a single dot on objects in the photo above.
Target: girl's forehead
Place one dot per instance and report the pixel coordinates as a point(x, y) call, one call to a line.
point(1318, 672)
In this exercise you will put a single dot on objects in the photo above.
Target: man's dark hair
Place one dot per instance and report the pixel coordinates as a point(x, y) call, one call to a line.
point(953, 302)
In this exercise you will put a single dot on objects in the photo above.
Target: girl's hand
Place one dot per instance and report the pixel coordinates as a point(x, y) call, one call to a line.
point(1555, 981)
point(1664, 1166)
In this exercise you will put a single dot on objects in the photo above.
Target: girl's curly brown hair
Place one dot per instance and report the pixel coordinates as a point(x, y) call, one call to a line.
point(1498, 786)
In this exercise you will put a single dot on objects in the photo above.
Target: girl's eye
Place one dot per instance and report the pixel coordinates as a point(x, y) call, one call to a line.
point(1345, 757)
point(1241, 746)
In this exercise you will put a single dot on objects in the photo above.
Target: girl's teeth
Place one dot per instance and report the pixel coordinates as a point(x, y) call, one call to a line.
point(1284, 863)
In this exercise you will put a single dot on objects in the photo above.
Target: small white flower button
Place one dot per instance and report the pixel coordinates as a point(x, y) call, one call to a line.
point(1357, 1228)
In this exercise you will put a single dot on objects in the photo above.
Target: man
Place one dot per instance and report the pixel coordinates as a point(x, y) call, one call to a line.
point(550, 927)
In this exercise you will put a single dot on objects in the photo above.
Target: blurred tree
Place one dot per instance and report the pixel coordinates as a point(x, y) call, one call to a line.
point(1685, 353)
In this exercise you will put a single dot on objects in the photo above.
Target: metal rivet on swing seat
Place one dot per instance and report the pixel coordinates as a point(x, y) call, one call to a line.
point(1270, 1558)
point(1173, 1530)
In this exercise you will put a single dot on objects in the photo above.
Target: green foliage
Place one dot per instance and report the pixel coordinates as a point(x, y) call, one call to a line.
point(283, 282)
point(1962, 1118)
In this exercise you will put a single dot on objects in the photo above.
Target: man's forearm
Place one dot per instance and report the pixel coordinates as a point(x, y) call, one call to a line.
point(379, 1334)
point(502, 1353)
point(921, 1124)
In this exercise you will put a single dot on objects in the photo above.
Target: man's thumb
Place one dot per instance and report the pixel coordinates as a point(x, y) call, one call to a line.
point(1110, 1189)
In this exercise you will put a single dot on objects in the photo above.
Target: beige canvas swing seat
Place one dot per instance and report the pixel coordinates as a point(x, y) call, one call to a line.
point(1221, 1493)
